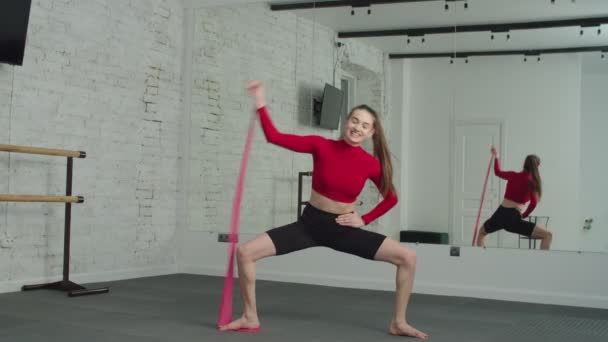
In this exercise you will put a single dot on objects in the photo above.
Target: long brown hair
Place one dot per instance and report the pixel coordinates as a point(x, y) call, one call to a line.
point(380, 151)
point(531, 166)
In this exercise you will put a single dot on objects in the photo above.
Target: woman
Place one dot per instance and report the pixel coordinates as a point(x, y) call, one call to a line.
point(522, 187)
point(340, 170)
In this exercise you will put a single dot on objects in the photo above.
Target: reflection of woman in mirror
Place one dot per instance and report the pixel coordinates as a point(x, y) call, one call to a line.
point(522, 187)
point(340, 170)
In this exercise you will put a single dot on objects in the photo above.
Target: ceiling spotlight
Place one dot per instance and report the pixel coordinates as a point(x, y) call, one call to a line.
point(492, 36)
point(508, 36)
point(538, 59)
point(408, 40)
point(582, 31)
point(466, 60)
point(466, 5)
point(352, 12)
point(603, 56)
point(423, 40)
point(599, 31)
point(369, 11)
point(447, 7)
point(451, 61)
point(552, 1)
point(525, 59)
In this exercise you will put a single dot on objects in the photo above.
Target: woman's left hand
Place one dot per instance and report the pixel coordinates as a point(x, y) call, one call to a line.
point(352, 220)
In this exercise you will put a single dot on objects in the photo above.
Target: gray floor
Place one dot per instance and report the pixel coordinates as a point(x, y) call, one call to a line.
point(184, 308)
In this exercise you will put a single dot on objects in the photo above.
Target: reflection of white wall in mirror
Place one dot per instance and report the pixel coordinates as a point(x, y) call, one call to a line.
point(428, 90)
point(594, 160)
point(398, 100)
point(540, 106)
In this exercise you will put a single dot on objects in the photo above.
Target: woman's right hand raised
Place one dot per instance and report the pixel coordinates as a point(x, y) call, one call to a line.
point(494, 152)
point(256, 89)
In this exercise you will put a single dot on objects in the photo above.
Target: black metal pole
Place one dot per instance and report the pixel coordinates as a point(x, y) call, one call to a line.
point(300, 201)
point(300, 175)
point(68, 219)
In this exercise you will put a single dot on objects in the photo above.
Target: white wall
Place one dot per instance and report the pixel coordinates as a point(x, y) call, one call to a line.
point(103, 77)
point(594, 160)
point(539, 106)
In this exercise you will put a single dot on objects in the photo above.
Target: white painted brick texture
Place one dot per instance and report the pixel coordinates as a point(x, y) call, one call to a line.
point(104, 77)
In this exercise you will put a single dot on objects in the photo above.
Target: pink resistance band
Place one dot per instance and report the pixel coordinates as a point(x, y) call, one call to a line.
point(225, 315)
point(483, 196)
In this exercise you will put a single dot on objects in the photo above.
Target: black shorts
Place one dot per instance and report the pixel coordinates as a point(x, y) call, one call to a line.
point(319, 228)
point(510, 220)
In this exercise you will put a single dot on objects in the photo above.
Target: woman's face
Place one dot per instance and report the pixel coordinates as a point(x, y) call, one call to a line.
point(359, 126)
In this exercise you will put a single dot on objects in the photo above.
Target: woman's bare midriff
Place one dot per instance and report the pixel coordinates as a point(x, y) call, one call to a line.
point(327, 204)
point(507, 203)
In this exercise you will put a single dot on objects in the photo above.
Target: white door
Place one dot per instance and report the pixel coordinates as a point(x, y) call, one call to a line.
point(471, 159)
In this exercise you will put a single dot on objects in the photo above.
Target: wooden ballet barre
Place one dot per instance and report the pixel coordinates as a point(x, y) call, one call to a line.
point(42, 151)
point(65, 284)
point(41, 198)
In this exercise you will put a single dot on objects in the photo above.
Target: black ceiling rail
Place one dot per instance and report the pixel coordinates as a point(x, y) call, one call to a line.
point(345, 3)
point(503, 27)
point(528, 52)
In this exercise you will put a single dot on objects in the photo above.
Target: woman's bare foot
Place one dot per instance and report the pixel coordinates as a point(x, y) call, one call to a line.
point(241, 323)
point(404, 329)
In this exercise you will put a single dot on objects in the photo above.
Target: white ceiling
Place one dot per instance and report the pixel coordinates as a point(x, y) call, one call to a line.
point(433, 14)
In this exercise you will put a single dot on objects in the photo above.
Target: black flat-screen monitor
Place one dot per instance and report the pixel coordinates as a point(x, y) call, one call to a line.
point(331, 107)
point(14, 17)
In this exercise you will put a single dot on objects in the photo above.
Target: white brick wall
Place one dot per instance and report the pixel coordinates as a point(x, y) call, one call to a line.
point(235, 44)
point(103, 77)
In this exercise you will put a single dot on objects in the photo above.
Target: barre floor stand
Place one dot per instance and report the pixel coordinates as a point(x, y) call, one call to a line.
point(73, 289)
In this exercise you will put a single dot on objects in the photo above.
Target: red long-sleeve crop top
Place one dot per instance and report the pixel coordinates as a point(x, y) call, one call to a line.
point(518, 187)
point(339, 171)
